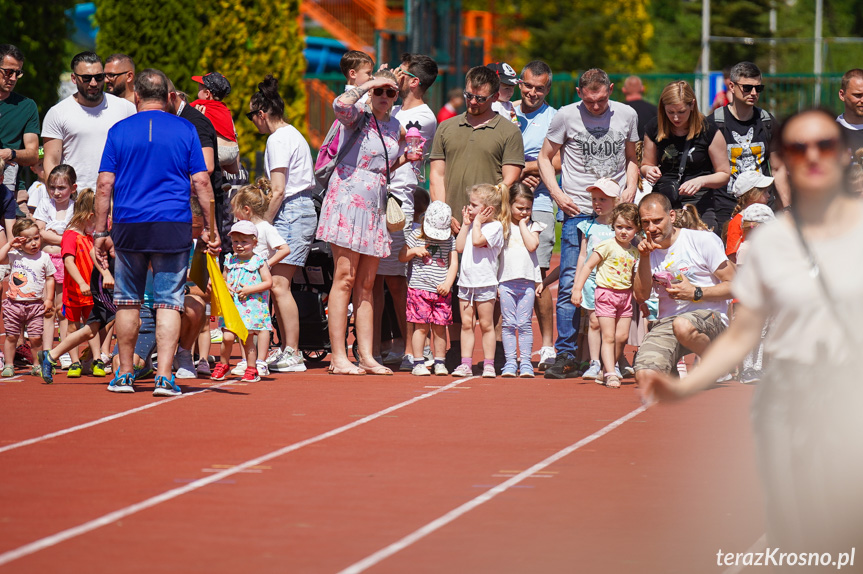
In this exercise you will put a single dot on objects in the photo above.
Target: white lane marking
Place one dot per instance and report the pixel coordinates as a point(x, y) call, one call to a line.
point(109, 418)
point(452, 515)
point(55, 539)
point(757, 546)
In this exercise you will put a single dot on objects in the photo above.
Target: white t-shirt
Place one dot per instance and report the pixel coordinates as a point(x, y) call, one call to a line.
point(696, 255)
point(516, 262)
point(28, 275)
point(47, 211)
point(507, 110)
point(479, 265)
point(83, 132)
point(35, 194)
point(268, 240)
point(287, 148)
point(593, 147)
point(404, 179)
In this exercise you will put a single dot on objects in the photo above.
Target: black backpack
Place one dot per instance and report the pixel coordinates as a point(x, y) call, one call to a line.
point(765, 120)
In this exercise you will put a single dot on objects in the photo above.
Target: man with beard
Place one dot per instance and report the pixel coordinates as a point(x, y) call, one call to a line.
point(19, 120)
point(120, 76)
point(74, 131)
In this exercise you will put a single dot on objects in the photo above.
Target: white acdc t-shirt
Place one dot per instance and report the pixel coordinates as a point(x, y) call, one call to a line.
point(695, 255)
point(479, 265)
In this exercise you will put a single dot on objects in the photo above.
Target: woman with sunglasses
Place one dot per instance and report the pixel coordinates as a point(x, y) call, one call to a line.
point(805, 271)
point(353, 215)
point(684, 156)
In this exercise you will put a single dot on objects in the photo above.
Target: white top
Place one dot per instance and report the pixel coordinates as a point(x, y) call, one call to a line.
point(843, 122)
point(268, 240)
point(516, 262)
point(287, 148)
point(47, 211)
point(35, 194)
point(404, 179)
point(83, 132)
point(28, 275)
point(507, 110)
point(696, 255)
point(479, 265)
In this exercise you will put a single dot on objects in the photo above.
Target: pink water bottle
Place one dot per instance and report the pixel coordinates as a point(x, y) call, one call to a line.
point(414, 141)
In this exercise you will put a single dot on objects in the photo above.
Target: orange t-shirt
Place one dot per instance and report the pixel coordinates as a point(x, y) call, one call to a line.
point(734, 236)
point(78, 246)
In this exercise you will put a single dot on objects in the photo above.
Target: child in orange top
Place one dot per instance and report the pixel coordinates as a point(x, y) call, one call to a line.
point(75, 247)
point(750, 188)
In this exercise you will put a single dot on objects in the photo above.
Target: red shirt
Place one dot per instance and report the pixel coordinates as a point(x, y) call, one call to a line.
point(734, 236)
point(445, 113)
point(218, 113)
point(79, 247)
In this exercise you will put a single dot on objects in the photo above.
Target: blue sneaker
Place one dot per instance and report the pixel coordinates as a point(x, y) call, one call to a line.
point(166, 387)
point(47, 365)
point(122, 383)
point(508, 370)
point(525, 370)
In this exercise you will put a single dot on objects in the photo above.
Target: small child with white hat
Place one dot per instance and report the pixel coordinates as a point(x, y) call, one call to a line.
point(750, 188)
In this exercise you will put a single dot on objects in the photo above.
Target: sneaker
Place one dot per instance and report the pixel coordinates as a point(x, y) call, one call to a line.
point(220, 372)
point(106, 359)
point(36, 371)
point(273, 355)
point(8, 371)
point(240, 369)
point(99, 368)
point(166, 387)
point(407, 363)
point(74, 371)
point(65, 361)
point(122, 383)
point(48, 366)
point(749, 375)
point(216, 336)
point(525, 370)
point(250, 376)
point(23, 356)
point(617, 372)
point(564, 367)
point(144, 371)
point(184, 366)
point(262, 367)
point(547, 355)
point(440, 370)
point(594, 371)
point(203, 369)
point(508, 370)
point(289, 362)
point(462, 370)
point(681, 369)
point(427, 355)
point(393, 358)
point(420, 371)
point(488, 372)
point(624, 367)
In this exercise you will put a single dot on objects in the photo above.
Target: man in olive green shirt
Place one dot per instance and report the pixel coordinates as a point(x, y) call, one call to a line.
point(19, 120)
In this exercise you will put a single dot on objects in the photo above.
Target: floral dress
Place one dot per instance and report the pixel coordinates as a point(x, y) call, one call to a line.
point(353, 214)
point(255, 310)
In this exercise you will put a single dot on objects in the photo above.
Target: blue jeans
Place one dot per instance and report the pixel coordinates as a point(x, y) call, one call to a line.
point(568, 315)
point(169, 277)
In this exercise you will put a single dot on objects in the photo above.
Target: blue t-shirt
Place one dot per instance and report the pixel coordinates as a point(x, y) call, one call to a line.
point(594, 233)
point(152, 155)
point(533, 128)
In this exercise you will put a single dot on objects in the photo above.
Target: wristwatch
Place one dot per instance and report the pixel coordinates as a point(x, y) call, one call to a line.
point(101, 234)
point(14, 155)
point(698, 294)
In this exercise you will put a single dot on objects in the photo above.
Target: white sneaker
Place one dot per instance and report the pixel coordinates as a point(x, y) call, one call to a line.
point(440, 370)
point(240, 369)
point(263, 369)
point(288, 362)
point(547, 356)
point(420, 371)
point(184, 365)
point(273, 355)
point(65, 361)
point(427, 355)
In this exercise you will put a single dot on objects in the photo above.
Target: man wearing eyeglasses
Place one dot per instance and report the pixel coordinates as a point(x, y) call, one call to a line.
point(19, 120)
point(120, 76)
point(748, 131)
point(74, 131)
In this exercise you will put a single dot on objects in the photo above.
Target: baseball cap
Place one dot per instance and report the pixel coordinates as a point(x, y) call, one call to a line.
point(607, 186)
point(436, 223)
point(244, 227)
point(758, 213)
point(216, 83)
point(507, 75)
point(750, 180)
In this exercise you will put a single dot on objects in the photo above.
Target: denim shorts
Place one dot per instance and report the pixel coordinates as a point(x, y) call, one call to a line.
point(169, 277)
point(296, 223)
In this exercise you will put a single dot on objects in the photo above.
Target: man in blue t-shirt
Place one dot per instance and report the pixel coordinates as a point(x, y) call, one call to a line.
point(146, 167)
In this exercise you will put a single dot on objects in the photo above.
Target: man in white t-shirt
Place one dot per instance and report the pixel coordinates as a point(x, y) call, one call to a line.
point(693, 278)
point(415, 75)
point(75, 130)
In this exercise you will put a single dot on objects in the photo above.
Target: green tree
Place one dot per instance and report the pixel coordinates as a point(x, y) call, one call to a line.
point(162, 34)
point(39, 29)
point(248, 39)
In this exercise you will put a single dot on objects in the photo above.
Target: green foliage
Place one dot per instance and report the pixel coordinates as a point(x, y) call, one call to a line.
point(162, 34)
point(248, 39)
point(39, 29)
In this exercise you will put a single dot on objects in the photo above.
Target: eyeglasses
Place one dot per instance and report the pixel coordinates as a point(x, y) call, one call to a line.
point(391, 93)
point(797, 151)
point(747, 88)
point(479, 99)
point(87, 78)
point(112, 77)
point(9, 72)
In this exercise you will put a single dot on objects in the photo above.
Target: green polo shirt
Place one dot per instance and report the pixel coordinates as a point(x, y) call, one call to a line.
point(475, 155)
point(18, 116)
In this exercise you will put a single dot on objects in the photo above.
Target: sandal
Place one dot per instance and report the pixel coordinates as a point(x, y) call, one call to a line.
point(612, 381)
point(379, 370)
point(354, 371)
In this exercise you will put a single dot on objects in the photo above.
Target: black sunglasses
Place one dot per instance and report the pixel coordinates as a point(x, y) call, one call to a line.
point(479, 99)
point(112, 77)
point(747, 88)
point(9, 72)
point(87, 78)
point(251, 115)
point(391, 93)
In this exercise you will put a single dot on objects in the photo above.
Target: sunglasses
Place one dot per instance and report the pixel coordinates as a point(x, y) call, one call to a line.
point(797, 150)
point(87, 78)
point(391, 93)
point(747, 88)
point(112, 77)
point(251, 115)
point(9, 72)
point(479, 99)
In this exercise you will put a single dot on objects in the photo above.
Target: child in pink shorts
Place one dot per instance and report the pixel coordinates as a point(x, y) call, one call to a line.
point(434, 265)
point(614, 260)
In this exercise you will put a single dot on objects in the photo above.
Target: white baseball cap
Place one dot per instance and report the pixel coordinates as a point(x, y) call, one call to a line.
point(607, 186)
point(750, 180)
point(244, 227)
point(758, 213)
point(437, 220)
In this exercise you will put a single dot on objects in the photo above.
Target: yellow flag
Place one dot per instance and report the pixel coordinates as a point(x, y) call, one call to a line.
point(221, 301)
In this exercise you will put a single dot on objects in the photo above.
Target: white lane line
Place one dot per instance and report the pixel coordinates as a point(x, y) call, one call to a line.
point(757, 546)
point(109, 418)
point(452, 515)
point(55, 539)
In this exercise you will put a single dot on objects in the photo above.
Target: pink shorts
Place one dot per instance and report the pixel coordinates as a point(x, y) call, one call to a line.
point(59, 268)
point(426, 307)
point(613, 302)
point(19, 316)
